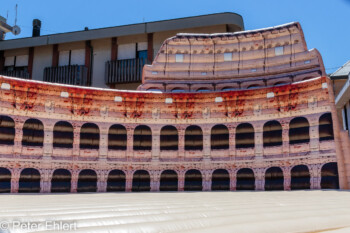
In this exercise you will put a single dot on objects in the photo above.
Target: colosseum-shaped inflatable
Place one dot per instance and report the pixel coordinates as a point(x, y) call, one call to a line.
point(249, 110)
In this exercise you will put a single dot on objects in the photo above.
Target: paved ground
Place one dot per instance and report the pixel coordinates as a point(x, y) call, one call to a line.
point(265, 212)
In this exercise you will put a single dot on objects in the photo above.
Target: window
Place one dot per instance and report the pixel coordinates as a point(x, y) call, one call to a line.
point(279, 50)
point(16, 66)
point(227, 56)
point(179, 57)
point(72, 57)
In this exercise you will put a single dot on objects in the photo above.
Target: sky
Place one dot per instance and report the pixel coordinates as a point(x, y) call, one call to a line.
point(326, 23)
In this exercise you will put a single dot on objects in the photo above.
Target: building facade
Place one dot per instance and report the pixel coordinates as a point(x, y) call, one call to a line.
point(341, 78)
point(251, 111)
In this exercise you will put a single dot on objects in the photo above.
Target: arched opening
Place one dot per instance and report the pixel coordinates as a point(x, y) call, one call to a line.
point(29, 181)
point(228, 89)
point(272, 134)
point(142, 138)
point(202, 90)
point(279, 84)
point(90, 136)
point(154, 89)
point(169, 139)
point(7, 130)
point(116, 181)
point(141, 181)
point(193, 180)
point(329, 176)
point(244, 136)
point(87, 181)
point(325, 127)
point(253, 86)
point(274, 179)
point(117, 137)
point(61, 181)
point(168, 181)
point(177, 90)
point(220, 180)
point(245, 179)
point(63, 135)
point(193, 138)
point(307, 78)
point(33, 133)
point(299, 131)
point(300, 177)
point(219, 137)
point(5, 180)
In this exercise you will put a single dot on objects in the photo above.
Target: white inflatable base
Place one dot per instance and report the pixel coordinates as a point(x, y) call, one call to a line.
point(201, 212)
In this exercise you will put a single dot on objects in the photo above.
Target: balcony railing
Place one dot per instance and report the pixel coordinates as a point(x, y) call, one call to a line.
point(74, 75)
point(124, 71)
point(16, 73)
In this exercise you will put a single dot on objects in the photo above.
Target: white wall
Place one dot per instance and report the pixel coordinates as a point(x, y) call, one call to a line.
point(101, 54)
point(42, 59)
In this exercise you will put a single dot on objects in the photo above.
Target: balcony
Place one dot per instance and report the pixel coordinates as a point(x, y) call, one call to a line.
point(72, 74)
point(16, 73)
point(124, 71)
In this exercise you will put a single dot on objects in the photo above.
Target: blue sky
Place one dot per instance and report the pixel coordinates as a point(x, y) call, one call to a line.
point(326, 23)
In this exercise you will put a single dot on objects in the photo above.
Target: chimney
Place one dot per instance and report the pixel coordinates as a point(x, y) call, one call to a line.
point(36, 27)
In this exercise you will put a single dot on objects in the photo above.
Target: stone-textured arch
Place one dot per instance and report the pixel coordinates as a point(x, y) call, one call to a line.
point(272, 134)
point(61, 181)
point(245, 179)
point(63, 135)
point(141, 181)
point(33, 133)
point(89, 136)
point(300, 177)
point(29, 181)
point(329, 176)
point(325, 127)
point(245, 136)
point(117, 137)
point(142, 138)
point(193, 138)
point(116, 181)
point(169, 138)
point(219, 137)
point(87, 181)
point(5, 180)
point(178, 90)
point(203, 89)
point(168, 181)
point(299, 130)
point(193, 180)
point(253, 86)
point(220, 180)
point(7, 130)
point(274, 179)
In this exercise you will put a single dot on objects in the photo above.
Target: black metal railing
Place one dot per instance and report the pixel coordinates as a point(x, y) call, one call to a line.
point(16, 73)
point(124, 71)
point(74, 75)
